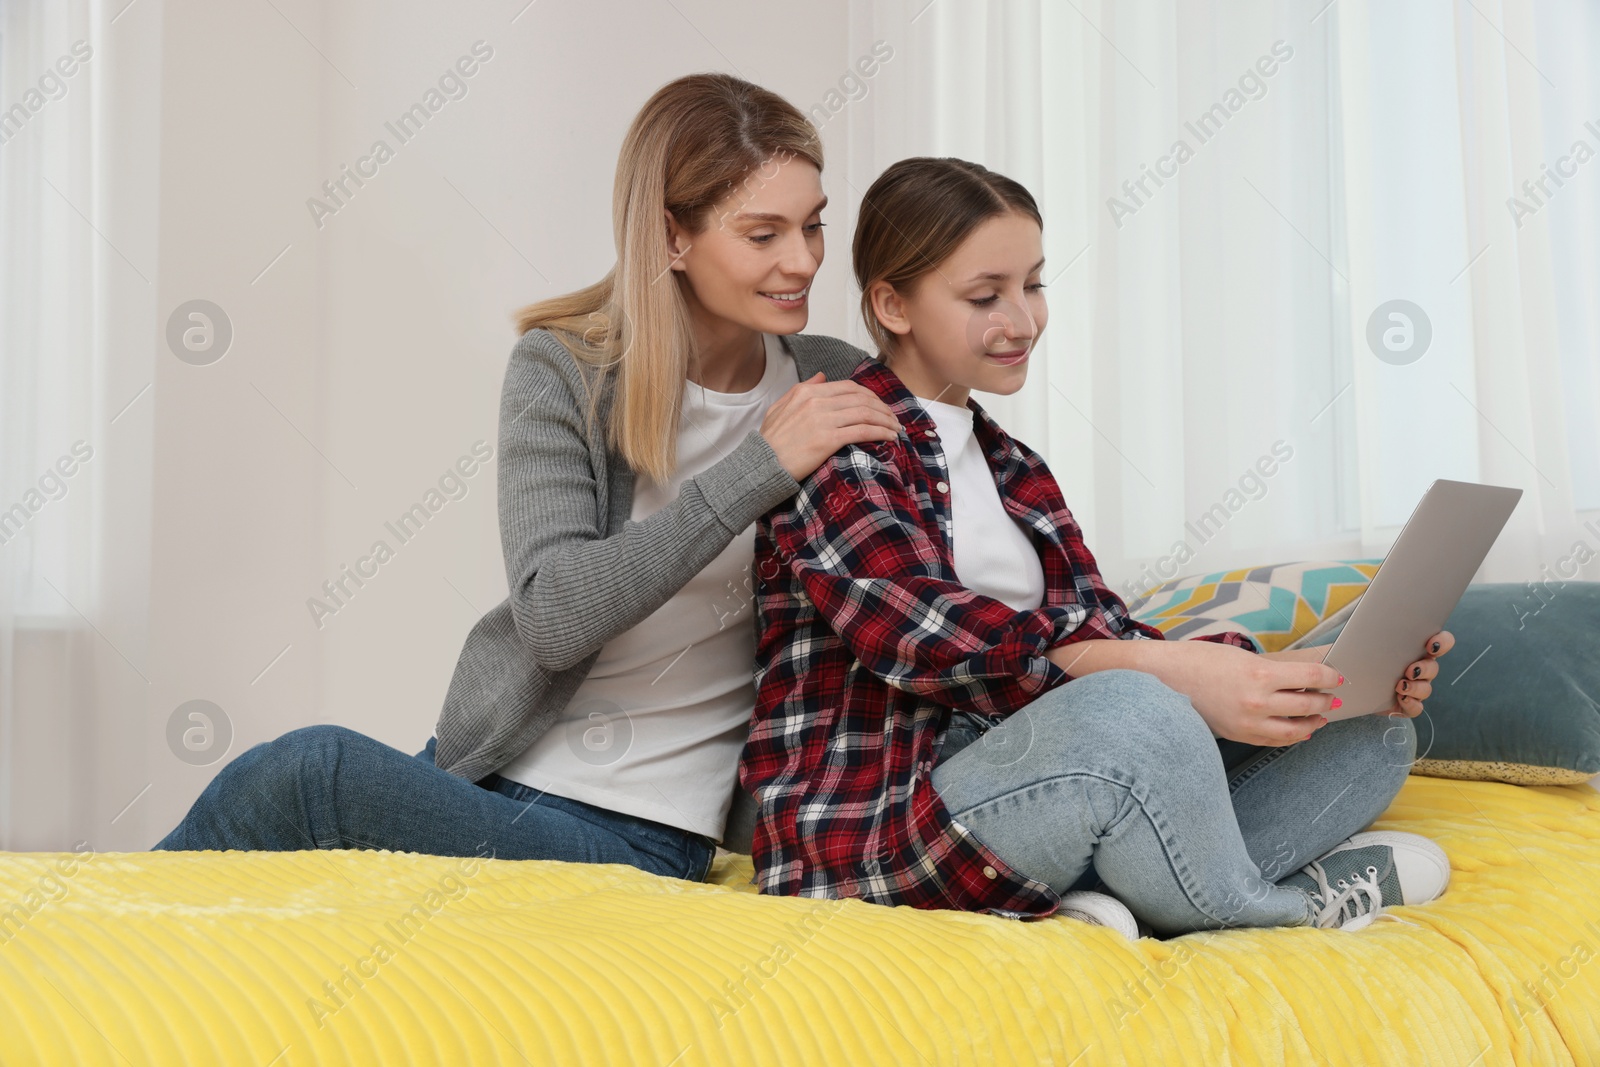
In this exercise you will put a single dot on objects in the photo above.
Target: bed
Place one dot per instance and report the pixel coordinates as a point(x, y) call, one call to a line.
point(379, 957)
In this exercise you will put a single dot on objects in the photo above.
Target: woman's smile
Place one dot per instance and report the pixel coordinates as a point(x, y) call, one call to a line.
point(789, 299)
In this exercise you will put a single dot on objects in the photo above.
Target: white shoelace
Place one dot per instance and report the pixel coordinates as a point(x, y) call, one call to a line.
point(1361, 898)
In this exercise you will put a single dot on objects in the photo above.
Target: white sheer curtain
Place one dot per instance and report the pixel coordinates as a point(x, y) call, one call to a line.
point(1231, 193)
point(77, 227)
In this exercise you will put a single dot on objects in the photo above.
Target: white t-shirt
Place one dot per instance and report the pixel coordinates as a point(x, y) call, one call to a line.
point(656, 728)
point(992, 552)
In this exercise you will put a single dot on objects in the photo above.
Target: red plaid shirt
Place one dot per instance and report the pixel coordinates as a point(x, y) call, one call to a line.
point(867, 641)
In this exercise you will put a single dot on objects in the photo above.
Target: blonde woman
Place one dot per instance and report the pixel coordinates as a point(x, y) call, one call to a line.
point(646, 422)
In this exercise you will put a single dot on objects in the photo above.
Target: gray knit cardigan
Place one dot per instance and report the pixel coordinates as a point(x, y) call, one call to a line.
point(579, 571)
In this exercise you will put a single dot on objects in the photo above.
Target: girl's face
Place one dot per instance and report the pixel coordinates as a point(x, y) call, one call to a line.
point(972, 321)
point(751, 265)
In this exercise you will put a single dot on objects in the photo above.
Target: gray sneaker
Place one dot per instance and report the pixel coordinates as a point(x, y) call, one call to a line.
point(1350, 884)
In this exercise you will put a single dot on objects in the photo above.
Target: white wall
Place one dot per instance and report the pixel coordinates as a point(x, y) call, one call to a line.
point(369, 357)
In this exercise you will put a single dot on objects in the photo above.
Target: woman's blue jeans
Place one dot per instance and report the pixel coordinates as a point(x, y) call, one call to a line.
point(331, 787)
point(1113, 781)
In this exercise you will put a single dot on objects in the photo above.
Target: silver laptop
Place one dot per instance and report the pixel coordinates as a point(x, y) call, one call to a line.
point(1416, 588)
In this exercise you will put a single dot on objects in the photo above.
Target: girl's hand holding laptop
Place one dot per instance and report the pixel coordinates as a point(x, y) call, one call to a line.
point(1416, 681)
point(1273, 698)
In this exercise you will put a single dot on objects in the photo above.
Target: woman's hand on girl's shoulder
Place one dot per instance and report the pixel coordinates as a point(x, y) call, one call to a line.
point(816, 418)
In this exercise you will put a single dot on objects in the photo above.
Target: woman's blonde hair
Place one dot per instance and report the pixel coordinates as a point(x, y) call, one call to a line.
point(698, 140)
point(916, 215)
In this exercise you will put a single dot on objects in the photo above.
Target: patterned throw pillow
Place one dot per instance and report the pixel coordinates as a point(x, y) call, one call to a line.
point(1276, 605)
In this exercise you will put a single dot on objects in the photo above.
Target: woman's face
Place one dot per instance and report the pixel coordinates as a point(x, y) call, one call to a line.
point(972, 321)
point(752, 263)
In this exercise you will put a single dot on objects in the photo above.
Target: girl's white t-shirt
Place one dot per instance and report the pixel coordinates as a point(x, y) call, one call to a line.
point(656, 728)
point(992, 552)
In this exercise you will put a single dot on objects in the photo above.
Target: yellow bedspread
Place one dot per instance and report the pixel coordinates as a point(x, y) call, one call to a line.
point(368, 957)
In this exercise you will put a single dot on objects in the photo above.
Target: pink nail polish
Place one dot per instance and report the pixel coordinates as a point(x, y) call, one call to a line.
point(1338, 703)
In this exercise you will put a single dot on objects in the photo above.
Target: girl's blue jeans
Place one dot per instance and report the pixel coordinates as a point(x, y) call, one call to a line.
point(331, 787)
point(1113, 781)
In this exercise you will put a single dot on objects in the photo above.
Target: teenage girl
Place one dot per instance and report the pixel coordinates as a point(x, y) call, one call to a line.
point(646, 422)
point(954, 711)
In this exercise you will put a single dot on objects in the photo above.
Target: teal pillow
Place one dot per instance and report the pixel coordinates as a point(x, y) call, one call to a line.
point(1518, 697)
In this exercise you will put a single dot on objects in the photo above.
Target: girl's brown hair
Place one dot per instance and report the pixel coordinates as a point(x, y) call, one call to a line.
point(915, 215)
point(696, 141)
